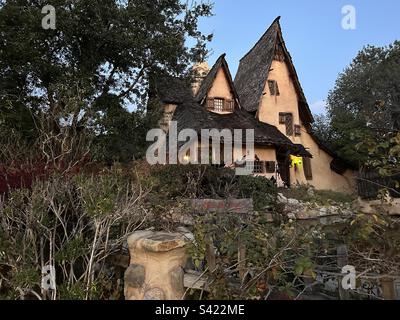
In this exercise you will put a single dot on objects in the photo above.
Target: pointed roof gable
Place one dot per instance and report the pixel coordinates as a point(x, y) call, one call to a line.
point(210, 78)
point(254, 69)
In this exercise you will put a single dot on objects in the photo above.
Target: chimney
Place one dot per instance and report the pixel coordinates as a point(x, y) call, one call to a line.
point(200, 71)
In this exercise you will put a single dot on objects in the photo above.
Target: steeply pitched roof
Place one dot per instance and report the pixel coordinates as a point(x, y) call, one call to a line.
point(254, 69)
point(196, 117)
point(209, 79)
point(173, 90)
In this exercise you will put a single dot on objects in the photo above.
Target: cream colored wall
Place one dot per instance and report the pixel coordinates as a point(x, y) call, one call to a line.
point(287, 101)
point(221, 88)
point(266, 154)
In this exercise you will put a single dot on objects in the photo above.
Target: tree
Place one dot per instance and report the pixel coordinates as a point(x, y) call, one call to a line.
point(364, 105)
point(53, 82)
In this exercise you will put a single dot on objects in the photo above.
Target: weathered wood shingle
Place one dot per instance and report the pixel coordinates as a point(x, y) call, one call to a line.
point(209, 80)
point(254, 69)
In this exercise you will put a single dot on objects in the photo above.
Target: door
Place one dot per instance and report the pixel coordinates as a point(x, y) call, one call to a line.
point(284, 167)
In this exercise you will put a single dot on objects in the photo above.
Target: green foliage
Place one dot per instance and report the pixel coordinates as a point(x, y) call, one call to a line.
point(260, 189)
point(74, 249)
point(85, 85)
point(26, 276)
point(101, 194)
point(305, 267)
point(278, 257)
point(365, 103)
point(307, 193)
point(191, 181)
point(73, 292)
point(74, 224)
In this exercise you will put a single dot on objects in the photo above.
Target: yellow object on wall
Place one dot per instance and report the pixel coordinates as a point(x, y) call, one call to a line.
point(296, 161)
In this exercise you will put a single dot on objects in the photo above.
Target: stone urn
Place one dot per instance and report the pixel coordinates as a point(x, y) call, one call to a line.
point(156, 266)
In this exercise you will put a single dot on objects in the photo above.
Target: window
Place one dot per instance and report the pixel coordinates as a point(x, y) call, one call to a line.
point(258, 167)
point(270, 167)
point(282, 118)
point(219, 104)
point(297, 130)
point(289, 124)
point(307, 168)
point(273, 88)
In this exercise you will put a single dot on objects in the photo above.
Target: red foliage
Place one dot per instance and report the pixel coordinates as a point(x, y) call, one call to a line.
point(20, 177)
point(24, 175)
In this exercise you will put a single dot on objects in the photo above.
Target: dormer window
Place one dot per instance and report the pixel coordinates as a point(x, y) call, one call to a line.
point(220, 105)
point(273, 88)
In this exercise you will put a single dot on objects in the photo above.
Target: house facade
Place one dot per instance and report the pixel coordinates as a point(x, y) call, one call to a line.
point(266, 96)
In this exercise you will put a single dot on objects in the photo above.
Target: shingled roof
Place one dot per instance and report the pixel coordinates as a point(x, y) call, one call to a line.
point(173, 90)
point(196, 117)
point(254, 69)
point(209, 80)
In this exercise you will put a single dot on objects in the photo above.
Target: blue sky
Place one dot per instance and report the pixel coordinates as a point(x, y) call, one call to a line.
point(313, 32)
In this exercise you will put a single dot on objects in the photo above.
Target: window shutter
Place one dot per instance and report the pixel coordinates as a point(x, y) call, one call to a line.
point(282, 117)
point(307, 168)
point(229, 105)
point(210, 103)
point(270, 166)
point(289, 124)
point(273, 87)
point(297, 130)
point(277, 92)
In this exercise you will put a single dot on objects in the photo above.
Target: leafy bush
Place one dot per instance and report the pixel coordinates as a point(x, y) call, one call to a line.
point(307, 193)
point(173, 182)
point(260, 189)
point(278, 257)
point(73, 224)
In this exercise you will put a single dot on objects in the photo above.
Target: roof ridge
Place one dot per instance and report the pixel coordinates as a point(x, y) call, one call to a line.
point(210, 78)
point(276, 21)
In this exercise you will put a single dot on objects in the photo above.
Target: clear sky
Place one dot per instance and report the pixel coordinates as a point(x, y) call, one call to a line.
point(313, 33)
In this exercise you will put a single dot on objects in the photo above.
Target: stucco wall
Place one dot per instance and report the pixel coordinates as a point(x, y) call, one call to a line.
point(287, 101)
point(221, 88)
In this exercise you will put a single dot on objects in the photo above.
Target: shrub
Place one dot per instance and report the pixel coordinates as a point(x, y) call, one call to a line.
point(173, 182)
point(73, 224)
point(307, 193)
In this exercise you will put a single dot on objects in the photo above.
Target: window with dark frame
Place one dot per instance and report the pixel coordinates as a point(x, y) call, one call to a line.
point(289, 124)
point(307, 168)
point(282, 118)
point(270, 167)
point(273, 88)
point(297, 130)
point(258, 167)
point(219, 104)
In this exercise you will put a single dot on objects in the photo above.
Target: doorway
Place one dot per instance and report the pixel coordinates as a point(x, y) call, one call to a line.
point(283, 159)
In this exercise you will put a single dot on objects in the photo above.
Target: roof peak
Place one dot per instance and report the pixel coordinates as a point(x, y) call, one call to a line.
point(275, 22)
point(210, 78)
